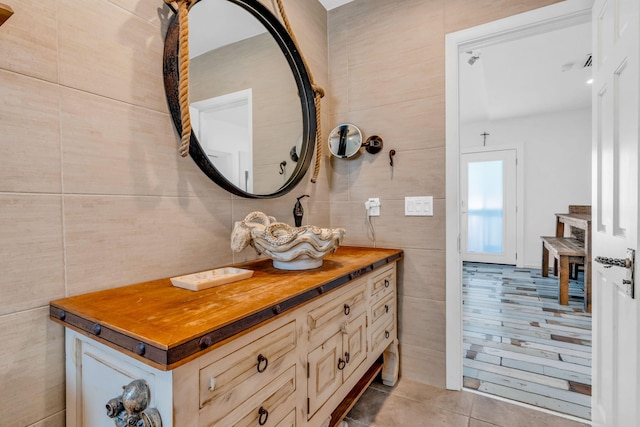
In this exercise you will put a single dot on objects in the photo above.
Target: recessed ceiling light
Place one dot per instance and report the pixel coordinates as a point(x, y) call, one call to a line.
point(590, 81)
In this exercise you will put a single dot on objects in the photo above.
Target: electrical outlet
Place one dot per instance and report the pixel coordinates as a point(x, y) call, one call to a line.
point(373, 206)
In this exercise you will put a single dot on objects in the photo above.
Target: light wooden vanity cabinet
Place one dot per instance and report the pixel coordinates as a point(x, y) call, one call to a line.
point(296, 353)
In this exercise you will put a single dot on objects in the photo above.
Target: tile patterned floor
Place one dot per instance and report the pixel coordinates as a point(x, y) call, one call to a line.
point(521, 344)
point(412, 404)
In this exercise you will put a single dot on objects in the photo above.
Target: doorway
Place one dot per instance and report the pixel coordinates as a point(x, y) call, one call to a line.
point(460, 46)
point(223, 125)
point(488, 206)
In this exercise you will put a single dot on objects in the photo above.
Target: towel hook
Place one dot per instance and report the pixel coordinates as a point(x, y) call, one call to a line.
point(391, 154)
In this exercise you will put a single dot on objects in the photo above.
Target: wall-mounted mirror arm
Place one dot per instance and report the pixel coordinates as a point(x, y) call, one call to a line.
point(373, 144)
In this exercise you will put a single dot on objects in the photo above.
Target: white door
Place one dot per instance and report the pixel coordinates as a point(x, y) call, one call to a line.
point(488, 206)
point(616, 50)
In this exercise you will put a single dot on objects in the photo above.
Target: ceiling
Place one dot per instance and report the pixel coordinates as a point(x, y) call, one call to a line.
point(531, 75)
point(538, 74)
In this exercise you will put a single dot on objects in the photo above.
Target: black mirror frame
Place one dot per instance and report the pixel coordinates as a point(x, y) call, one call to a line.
point(303, 82)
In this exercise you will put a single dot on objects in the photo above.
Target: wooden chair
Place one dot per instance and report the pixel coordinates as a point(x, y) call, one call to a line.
point(577, 233)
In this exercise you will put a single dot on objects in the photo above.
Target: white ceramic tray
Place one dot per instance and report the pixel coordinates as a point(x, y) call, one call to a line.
point(210, 278)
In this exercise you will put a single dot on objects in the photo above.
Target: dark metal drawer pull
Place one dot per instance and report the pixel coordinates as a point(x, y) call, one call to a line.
point(347, 309)
point(341, 364)
point(262, 359)
point(386, 334)
point(263, 416)
point(386, 283)
point(386, 308)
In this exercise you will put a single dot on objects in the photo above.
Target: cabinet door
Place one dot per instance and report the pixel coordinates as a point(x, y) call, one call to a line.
point(98, 374)
point(354, 345)
point(323, 372)
point(102, 378)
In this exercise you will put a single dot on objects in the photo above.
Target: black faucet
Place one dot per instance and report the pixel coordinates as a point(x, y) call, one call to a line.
point(298, 211)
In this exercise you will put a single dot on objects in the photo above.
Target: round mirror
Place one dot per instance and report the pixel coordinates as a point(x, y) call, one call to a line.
point(345, 140)
point(250, 97)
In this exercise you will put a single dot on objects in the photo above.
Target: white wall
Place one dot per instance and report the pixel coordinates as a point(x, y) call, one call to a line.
point(557, 166)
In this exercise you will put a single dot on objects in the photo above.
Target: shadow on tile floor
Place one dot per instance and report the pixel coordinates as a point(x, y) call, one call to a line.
point(411, 403)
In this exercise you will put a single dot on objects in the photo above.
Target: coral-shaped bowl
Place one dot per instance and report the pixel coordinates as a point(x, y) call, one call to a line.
point(290, 248)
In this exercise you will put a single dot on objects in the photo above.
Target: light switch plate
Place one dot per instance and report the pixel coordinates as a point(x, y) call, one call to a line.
point(418, 206)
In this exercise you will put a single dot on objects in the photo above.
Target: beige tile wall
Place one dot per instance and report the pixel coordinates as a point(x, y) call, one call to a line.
point(93, 195)
point(387, 75)
point(92, 191)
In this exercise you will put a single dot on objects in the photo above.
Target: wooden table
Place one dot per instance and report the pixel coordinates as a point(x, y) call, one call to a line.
point(583, 222)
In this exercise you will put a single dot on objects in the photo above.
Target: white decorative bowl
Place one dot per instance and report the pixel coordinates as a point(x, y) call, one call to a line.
point(290, 248)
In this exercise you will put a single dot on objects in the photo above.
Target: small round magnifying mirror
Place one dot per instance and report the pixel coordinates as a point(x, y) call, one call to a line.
point(345, 140)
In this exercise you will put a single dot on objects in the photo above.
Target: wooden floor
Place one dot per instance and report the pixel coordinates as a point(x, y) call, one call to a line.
point(520, 344)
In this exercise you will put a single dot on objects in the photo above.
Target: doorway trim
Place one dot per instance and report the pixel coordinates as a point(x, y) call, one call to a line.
point(537, 21)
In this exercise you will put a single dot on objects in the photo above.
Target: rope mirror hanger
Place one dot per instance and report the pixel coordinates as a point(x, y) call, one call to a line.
point(183, 67)
point(318, 92)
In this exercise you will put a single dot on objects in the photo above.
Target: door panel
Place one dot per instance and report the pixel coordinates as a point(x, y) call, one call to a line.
point(488, 181)
point(615, 312)
point(324, 376)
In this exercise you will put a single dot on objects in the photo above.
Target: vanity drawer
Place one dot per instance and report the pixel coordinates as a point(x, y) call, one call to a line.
point(289, 420)
point(383, 309)
point(384, 282)
point(331, 316)
point(270, 406)
point(383, 336)
point(230, 380)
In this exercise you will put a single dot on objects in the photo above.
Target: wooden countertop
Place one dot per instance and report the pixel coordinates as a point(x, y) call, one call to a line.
point(165, 326)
